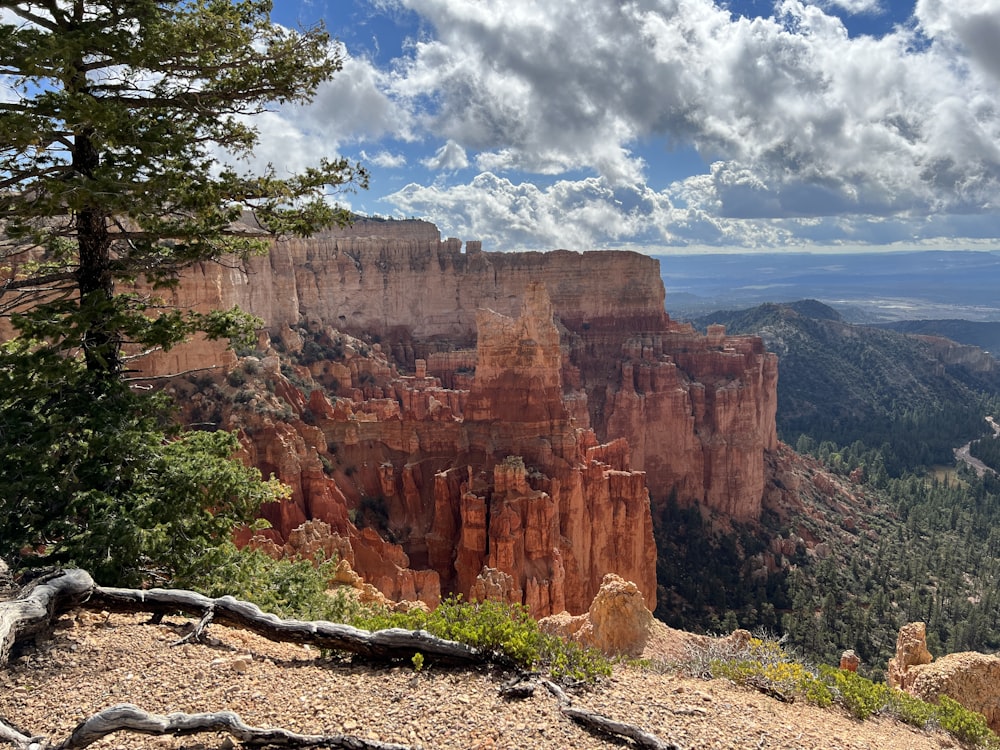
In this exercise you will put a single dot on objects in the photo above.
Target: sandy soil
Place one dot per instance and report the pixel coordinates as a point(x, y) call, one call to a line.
point(93, 661)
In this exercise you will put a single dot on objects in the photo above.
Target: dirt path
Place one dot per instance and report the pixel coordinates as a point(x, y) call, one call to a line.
point(962, 454)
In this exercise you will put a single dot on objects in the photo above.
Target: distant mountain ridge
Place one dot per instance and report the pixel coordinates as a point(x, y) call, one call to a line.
point(865, 287)
point(985, 335)
point(846, 382)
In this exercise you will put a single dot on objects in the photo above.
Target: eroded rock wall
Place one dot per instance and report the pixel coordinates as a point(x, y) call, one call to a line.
point(433, 486)
point(499, 412)
point(698, 411)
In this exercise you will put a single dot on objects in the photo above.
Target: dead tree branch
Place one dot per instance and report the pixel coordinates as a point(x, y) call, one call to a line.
point(604, 725)
point(392, 644)
point(33, 609)
point(126, 717)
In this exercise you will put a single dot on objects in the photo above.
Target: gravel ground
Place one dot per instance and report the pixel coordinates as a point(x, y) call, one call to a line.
point(93, 661)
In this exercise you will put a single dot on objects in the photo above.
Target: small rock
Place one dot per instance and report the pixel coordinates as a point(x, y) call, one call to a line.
point(241, 664)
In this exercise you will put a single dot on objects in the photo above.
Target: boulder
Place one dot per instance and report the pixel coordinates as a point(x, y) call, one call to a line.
point(971, 678)
point(617, 623)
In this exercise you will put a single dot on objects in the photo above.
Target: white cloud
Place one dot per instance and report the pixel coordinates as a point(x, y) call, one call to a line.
point(570, 214)
point(383, 159)
point(971, 26)
point(449, 157)
point(804, 120)
point(355, 104)
point(854, 6)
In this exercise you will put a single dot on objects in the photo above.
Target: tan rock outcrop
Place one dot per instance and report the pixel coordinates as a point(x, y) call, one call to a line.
point(617, 622)
point(911, 651)
point(971, 678)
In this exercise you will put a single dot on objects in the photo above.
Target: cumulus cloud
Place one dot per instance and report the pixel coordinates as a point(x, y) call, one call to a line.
point(384, 159)
point(798, 119)
point(350, 108)
point(511, 216)
point(973, 26)
point(854, 6)
point(355, 104)
point(449, 157)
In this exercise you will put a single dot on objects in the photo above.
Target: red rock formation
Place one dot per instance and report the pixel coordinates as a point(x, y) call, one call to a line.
point(498, 477)
point(697, 410)
point(968, 677)
point(584, 355)
point(699, 413)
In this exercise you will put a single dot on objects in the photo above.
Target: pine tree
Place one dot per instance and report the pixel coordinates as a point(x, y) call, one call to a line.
point(110, 136)
point(119, 123)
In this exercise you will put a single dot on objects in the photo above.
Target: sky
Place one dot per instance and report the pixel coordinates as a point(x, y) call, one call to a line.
point(663, 125)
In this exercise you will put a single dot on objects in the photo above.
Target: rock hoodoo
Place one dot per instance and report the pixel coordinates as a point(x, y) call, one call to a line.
point(617, 621)
point(698, 411)
point(450, 412)
point(971, 678)
point(492, 491)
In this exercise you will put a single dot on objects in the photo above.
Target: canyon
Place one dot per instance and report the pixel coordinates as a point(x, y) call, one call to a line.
point(479, 423)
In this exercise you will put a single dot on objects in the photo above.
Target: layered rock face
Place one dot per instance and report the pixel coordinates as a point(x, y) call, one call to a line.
point(494, 491)
point(549, 397)
point(698, 411)
point(971, 678)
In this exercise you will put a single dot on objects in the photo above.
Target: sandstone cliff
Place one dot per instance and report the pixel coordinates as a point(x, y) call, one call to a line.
point(698, 411)
point(549, 397)
point(491, 489)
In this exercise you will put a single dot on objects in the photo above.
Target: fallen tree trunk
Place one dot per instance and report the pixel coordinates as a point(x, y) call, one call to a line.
point(392, 644)
point(128, 718)
point(33, 609)
point(603, 725)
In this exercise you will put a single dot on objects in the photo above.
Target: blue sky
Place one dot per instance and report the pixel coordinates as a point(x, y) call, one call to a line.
point(664, 125)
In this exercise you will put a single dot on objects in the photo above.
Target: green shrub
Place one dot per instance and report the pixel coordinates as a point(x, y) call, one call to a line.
point(236, 378)
point(762, 663)
point(505, 632)
point(287, 588)
point(910, 709)
point(859, 695)
point(968, 726)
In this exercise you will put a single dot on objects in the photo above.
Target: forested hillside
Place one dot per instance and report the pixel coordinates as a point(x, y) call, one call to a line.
point(845, 383)
point(876, 409)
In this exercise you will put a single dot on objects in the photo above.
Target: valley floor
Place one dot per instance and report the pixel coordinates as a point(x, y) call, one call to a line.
point(94, 661)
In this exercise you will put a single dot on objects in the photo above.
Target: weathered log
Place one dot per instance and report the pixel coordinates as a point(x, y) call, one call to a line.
point(128, 718)
point(391, 644)
point(36, 607)
point(604, 725)
point(33, 609)
point(18, 738)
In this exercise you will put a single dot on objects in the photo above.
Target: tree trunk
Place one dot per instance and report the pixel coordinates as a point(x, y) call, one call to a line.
point(34, 609)
point(101, 345)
